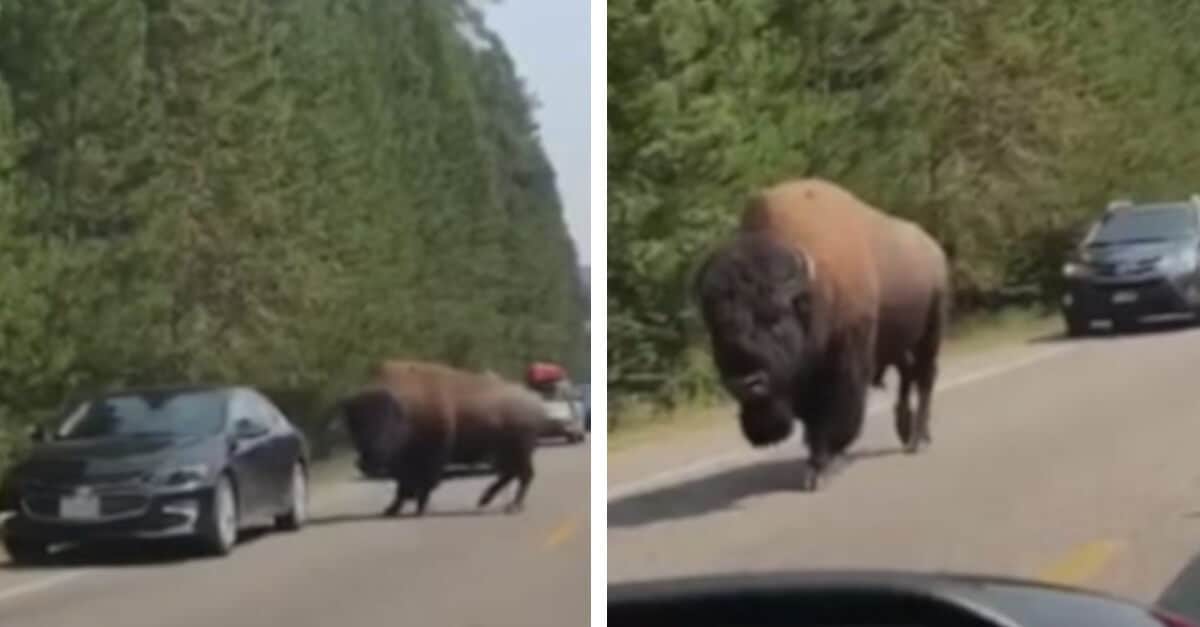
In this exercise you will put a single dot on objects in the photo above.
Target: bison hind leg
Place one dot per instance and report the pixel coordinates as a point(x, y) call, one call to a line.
point(905, 428)
point(524, 478)
point(494, 488)
point(925, 368)
point(397, 504)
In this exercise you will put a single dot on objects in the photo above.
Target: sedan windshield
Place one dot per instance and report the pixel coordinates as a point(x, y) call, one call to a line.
point(151, 413)
point(1150, 224)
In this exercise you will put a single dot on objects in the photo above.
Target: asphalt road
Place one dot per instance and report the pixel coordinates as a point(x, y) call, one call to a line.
point(1068, 461)
point(455, 568)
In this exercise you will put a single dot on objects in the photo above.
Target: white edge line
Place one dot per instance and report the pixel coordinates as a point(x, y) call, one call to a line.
point(724, 459)
point(8, 594)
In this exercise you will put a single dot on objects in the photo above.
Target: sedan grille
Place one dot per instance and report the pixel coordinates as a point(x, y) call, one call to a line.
point(44, 505)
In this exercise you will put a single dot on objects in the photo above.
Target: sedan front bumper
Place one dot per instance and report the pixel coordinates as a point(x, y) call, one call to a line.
point(124, 516)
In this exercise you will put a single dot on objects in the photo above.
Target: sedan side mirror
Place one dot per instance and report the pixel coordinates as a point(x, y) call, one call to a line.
point(38, 433)
point(247, 429)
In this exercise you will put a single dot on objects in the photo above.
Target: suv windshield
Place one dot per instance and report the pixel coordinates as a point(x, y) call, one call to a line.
point(1147, 224)
point(150, 413)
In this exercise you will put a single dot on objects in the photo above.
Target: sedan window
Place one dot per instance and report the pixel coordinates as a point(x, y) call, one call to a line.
point(169, 413)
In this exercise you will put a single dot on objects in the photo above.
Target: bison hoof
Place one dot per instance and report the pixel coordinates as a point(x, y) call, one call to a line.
point(811, 481)
point(391, 512)
point(916, 445)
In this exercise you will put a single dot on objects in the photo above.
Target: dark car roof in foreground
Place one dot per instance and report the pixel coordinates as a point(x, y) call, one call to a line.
point(735, 583)
point(1026, 601)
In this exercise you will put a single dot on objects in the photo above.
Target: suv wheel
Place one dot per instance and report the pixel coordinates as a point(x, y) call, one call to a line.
point(1077, 327)
point(1125, 324)
point(26, 551)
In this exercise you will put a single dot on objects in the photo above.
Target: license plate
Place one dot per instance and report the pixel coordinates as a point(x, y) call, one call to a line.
point(79, 507)
point(1124, 297)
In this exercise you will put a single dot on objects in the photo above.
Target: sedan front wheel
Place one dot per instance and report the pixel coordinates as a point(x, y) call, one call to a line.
point(219, 529)
point(297, 513)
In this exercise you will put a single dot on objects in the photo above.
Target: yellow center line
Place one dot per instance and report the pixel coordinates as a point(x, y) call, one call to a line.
point(561, 533)
point(1082, 564)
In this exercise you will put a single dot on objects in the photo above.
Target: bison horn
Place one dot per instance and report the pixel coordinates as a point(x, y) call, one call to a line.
point(810, 267)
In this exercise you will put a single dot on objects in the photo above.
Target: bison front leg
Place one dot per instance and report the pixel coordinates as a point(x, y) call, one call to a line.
point(838, 420)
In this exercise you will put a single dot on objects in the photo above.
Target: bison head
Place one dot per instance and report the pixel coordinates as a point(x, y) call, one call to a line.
point(754, 295)
point(377, 425)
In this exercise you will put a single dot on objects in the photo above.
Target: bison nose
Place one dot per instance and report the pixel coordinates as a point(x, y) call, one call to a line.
point(753, 385)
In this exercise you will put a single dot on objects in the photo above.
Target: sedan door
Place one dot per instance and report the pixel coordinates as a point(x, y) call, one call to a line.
point(250, 456)
point(283, 448)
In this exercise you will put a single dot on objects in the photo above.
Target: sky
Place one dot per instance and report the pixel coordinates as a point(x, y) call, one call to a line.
point(549, 41)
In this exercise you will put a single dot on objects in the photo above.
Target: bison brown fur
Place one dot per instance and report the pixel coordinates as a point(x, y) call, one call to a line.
point(416, 417)
point(814, 295)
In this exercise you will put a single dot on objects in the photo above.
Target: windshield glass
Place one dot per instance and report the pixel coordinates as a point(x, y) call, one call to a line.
point(1149, 224)
point(171, 414)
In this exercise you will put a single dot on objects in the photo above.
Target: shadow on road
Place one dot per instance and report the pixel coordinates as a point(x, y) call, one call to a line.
point(378, 517)
point(719, 491)
point(1182, 596)
point(126, 554)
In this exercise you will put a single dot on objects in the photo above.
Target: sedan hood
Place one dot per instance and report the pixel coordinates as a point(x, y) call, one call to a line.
point(117, 459)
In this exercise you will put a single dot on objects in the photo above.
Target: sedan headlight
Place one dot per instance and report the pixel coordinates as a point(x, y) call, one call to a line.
point(1180, 261)
point(184, 476)
point(1073, 269)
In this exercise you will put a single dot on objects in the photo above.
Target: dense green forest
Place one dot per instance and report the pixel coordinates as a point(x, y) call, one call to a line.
point(269, 192)
point(1000, 126)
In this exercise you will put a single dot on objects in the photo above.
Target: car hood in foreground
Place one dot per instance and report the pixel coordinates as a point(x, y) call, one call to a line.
point(1005, 601)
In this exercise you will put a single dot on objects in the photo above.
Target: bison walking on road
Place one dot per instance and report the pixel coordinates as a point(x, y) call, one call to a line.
point(806, 305)
point(416, 417)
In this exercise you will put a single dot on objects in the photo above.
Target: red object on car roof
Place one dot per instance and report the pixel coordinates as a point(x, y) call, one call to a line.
point(540, 373)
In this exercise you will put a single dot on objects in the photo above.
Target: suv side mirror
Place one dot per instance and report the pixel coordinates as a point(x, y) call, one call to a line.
point(38, 433)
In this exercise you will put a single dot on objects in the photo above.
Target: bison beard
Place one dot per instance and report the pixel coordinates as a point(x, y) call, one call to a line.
point(414, 441)
point(807, 305)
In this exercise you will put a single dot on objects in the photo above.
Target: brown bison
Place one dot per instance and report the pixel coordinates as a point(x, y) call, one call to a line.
point(812, 298)
point(416, 417)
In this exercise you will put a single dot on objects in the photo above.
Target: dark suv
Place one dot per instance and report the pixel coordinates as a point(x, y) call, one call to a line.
point(1136, 261)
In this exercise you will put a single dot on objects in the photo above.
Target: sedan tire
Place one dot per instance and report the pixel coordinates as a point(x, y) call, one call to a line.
point(219, 529)
point(297, 514)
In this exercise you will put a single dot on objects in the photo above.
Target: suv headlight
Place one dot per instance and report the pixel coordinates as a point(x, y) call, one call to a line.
point(1180, 261)
point(1073, 269)
point(183, 477)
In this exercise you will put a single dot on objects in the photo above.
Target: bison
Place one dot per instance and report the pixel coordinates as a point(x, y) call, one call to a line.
point(417, 417)
point(815, 294)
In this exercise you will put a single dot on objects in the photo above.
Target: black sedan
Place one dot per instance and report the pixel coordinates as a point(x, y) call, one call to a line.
point(875, 599)
point(196, 462)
